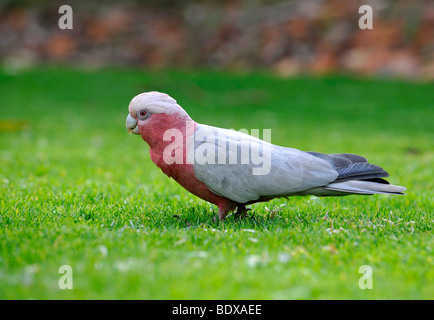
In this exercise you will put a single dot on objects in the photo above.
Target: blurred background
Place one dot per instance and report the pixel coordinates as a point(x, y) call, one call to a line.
point(286, 37)
point(76, 189)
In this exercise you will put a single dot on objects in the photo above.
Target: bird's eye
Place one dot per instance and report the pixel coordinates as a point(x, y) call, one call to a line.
point(143, 114)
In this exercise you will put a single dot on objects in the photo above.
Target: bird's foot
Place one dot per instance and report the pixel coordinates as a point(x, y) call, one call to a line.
point(241, 212)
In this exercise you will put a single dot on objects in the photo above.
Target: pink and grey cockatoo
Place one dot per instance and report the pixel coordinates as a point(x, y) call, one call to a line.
point(218, 165)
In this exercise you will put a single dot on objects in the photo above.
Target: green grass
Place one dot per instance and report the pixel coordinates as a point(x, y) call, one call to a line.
point(76, 189)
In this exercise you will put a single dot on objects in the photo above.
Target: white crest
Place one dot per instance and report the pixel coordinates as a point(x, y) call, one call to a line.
point(155, 102)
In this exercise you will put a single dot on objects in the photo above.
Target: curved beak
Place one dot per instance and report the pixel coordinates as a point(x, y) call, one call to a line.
point(131, 125)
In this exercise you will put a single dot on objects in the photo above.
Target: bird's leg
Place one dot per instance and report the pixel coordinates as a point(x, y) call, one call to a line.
point(241, 211)
point(225, 208)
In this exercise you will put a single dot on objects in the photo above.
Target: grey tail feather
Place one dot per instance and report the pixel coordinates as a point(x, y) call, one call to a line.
point(364, 187)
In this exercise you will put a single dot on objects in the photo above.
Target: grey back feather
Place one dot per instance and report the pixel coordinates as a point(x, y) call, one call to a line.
point(291, 170)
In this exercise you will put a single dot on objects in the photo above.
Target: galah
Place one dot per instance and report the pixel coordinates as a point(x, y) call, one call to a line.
point(221, 166)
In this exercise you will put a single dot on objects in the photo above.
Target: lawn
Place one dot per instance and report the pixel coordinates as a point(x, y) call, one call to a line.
point(77, 190)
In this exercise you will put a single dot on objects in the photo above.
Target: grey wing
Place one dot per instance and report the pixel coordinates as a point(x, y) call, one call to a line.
point(265, 170)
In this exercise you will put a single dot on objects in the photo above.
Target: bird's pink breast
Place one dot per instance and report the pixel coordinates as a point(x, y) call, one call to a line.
point(183, 173)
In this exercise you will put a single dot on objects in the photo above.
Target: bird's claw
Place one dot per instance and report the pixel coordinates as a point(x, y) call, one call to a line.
point(241, 212)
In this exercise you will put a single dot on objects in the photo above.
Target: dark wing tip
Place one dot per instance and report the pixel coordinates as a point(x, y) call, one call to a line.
point(352, 166)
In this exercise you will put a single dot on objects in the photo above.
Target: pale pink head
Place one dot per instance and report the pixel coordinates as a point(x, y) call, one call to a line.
point(150, 109)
